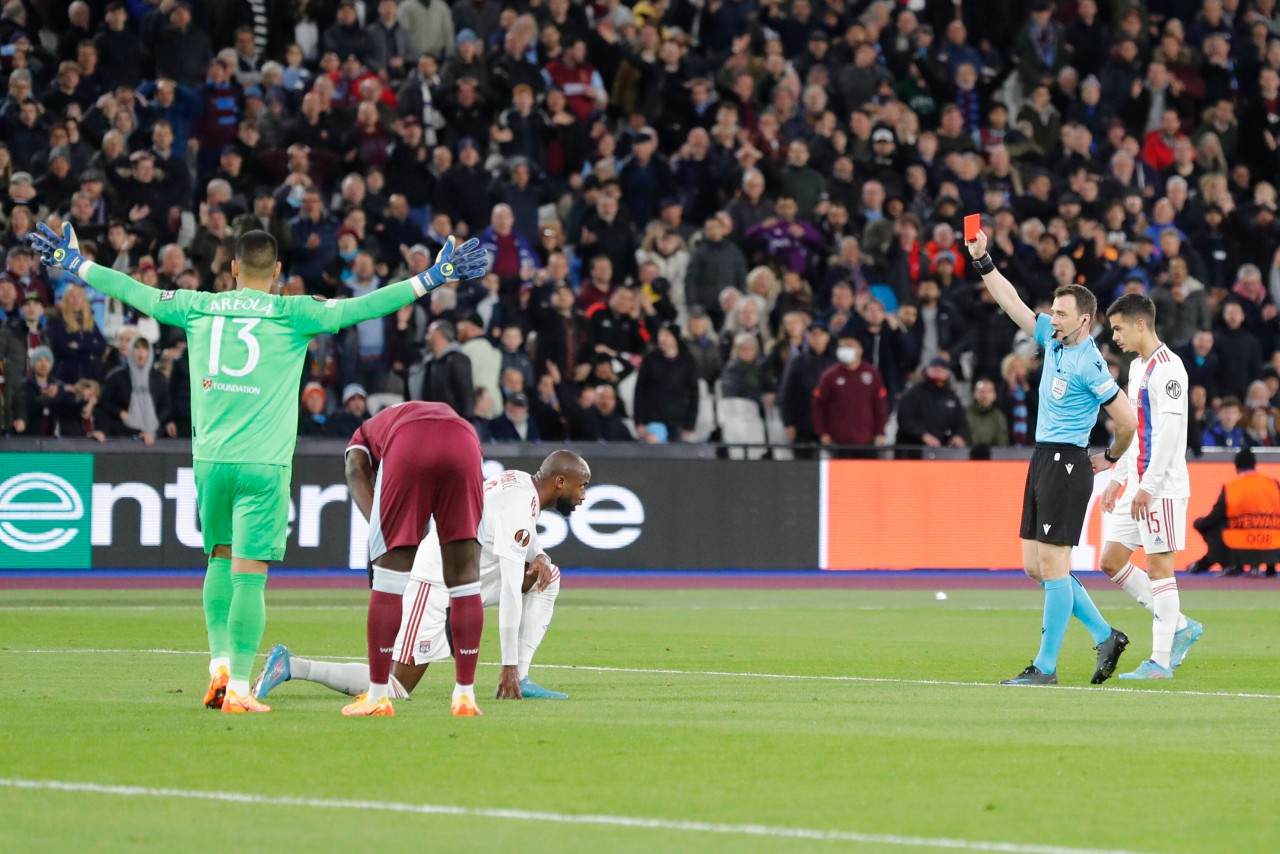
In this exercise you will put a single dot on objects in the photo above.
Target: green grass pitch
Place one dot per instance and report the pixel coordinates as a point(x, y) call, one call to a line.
point(707, 726)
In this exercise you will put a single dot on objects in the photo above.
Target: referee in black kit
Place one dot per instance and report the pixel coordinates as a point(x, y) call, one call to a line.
point(1074, 382)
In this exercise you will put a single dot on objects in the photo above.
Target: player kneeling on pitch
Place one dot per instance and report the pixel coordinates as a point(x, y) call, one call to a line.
point(1146, 501)
point(515, 574)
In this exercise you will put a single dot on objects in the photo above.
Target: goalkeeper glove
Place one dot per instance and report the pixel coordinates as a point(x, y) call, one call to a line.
point(467, 261)
point(61, 252)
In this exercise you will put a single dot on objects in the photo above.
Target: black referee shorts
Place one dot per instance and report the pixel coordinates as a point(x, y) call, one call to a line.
point(1056, 500)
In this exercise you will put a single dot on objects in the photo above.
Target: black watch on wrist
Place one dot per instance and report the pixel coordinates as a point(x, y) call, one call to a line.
point(1106, 455)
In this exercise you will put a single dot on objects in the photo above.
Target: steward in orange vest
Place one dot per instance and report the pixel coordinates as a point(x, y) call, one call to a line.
point(1243, 528)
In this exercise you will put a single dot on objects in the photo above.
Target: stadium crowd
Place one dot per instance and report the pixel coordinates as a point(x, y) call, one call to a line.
point(706, 219)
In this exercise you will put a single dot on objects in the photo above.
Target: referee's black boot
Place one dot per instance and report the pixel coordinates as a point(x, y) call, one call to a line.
point(1109, 652)
point(1032, 676)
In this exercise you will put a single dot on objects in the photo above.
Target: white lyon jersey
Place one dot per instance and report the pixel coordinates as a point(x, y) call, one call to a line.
point(508, 538)
point(1156, 461)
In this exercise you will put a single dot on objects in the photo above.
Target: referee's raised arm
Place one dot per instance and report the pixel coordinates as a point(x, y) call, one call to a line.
point(1006, 295)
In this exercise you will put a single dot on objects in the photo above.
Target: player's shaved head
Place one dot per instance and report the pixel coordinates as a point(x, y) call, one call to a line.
point(562, 481)
point(564, 464)
point(256, 255)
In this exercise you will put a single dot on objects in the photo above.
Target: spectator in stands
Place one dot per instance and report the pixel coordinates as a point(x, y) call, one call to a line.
point(13, 370)
point(545, 410)
point(888, 348)
point(787, 241)
point(746, 317)
point(618, 329)
point(795, 396)
point(81, 420)
point(514, 424)
point(850, 404)
point(354, 412)
point(181, 51)
point(601, 421)
point(313, 421)
point(1018, 399)
point(667, 388)
point(32, 325)
point(1152, 150)
point(1227, 431)
point(1259, 431)
point(47, 399)
point(1239, 353)
point(135, 398)
point(987, 424)
point(703, 346)
point(74, 338)
point(741, 376)
point(484, 357)
point(444, 376)
point(1182, 305)
point(514, 355)
point(931, 413)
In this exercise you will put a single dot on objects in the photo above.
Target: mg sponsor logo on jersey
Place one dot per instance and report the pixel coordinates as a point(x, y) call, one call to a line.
point(45, 511)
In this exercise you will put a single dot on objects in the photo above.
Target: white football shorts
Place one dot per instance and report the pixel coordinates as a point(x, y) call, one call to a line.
point(1164, 529)
point(422, 638)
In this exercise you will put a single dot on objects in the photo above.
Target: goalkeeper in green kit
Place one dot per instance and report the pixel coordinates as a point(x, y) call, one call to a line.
point(246, 350)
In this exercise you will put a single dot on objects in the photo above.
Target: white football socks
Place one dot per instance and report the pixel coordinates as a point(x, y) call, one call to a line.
point(1165, 595)
point(345, 678)
point(1137, 584)
point(215, 663)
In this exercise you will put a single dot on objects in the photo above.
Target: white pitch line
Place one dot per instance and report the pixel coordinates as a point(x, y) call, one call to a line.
point(674, 825)
point(884, 680)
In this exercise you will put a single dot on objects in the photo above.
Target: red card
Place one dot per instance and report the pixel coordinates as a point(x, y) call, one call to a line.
point(972, 225)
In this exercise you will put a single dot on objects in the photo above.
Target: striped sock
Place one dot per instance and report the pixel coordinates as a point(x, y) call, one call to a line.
point(1165, 597)
point(1137, 584)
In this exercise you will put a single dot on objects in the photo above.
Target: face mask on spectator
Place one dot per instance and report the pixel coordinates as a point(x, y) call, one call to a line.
point(847, 355)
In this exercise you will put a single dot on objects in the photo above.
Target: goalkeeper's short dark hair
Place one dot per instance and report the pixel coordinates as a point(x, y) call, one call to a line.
point(257, 253)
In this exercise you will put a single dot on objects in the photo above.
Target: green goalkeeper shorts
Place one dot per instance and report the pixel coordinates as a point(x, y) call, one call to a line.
point(245, 506)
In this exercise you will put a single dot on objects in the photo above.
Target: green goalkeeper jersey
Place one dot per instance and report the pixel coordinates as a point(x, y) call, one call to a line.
point(246, 350)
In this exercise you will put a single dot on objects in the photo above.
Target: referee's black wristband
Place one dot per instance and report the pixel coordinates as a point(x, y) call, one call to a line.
point(984, 264)
point(1106, 455)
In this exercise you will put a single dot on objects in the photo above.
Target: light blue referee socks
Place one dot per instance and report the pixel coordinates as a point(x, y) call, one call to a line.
point(1086, 612)
point(1057, 613)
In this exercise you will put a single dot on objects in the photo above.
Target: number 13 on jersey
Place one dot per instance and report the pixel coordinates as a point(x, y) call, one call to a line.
point(245, 334)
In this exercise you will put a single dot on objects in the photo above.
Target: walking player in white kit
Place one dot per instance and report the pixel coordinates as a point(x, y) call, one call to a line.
point(515, 574)
point(1146, 501)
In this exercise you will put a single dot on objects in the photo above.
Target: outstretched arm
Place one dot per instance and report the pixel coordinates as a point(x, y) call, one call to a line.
point(1002, 289)
point(465, 262)
point(63, 252)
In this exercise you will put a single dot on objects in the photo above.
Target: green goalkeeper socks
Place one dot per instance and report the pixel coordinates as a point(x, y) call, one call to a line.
point(217, 607)
point(248, 622)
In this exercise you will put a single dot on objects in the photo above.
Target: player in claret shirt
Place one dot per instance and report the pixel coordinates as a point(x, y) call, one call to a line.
point(246, 350)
